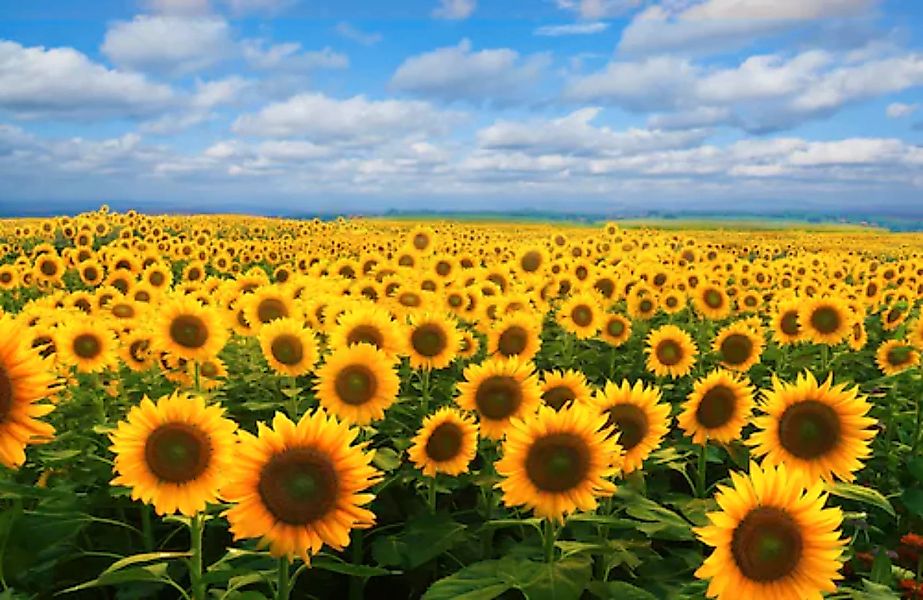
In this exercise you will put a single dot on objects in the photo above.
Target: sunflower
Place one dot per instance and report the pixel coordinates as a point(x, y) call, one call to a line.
point(785, 326)
point(558, 462)
point(637, 415)
point(135, 350)
point(446, 443)
point(432, 341)
point(616, 330)
point(189, 330)
point(738, 347)
point(581, 315)
point(670, 352)
point(173, 453)
point(915, 333)
point(88, 346)
point(717, 408)
point(516, 334)
point(499, 390)
point(642, 304)
point(268, 303)
point(858, 336)
point(369, 325)
point(357, 384)
point(820, 430)
point(824, 320)
point(289, 347)
point(712, 301)
point(563, 388)
point(25, 379)
point(895, 356)
point(468, 346)
point(772, 538)
point(212, 373)
point(299, 486)
point(673, 301)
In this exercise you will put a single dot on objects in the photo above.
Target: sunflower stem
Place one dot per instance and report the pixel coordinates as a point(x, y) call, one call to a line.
point(196, 371)
point(700, 471)
point(549, 534)
point(424, 389)
point(146, 528)
point(431, 494)
point(356, 583)
point(283, 581)
point(196, 527)
point(824, 358)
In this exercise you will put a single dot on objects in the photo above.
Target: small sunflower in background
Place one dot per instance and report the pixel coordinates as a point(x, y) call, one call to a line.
point(772, 539)
point(369, 325)
point(469, 345)
point(558, 462)
point(670, 352)
point(300, 486)
point(267, 304)
point(637, 415)
point(357, 384)
point(581, 315)
point(516, 334)
point(135, 350)
point(786, 328)
point(563, 388)
point(738, 347)
point(446, 443)
point(615, 330)
point(212, 373)
point(712, 301)
point(432, 341)
point(289, 347)
point(896, 356)
point(820, 430)
point(88, 347)
point(718, 408)
point(824, 320)
point(499, 390)
point(189, 330)
point(174, 453)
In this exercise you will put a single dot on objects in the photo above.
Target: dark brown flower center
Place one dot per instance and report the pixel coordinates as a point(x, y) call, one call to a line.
point(420, 241)
point(513, 341)
point(157, 278)
point(208, 369)
point(713, 299)
point(789, 322)
point(177, 452)
point(428, 340)
point(91, 273)
point(410, 299)
point(582, 315)
point(809, 429)
point(825, 319)
point(558, 396)
point(189, 331)
point(531, 261)
point(123, 311)
point(498, 397)
point(717, 406)
point(48, 268)
point(138, 350)
point(87, 345)
point(767, 545)
point(299, 486)
point(899, 356)
point(615, 327)
point(270, 309)
point(630, 421)
point(669, 352)
point(355, 384)
point(287, 349)
point(736, 349)
point(557, 462)
point(365, 334)
point(444, 442)
point(646, 306)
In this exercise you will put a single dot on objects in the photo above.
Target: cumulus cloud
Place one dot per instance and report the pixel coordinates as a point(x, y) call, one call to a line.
point(899, 110)
point(168, 44)
point(56, 83)
point(589, 28)
point(353, 120)
point(455, 9)
point(353, 33)
point(460, 73)
point(599, 9)
point(290, 56)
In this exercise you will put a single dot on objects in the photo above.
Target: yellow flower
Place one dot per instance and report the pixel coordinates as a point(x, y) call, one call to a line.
point(446, 443)
point(636, 414)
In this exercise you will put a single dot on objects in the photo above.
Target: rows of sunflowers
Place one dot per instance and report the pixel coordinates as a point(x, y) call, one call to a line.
point(238, 408)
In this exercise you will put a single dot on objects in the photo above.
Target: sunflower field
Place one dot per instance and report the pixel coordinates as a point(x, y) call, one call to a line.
point(239, 408)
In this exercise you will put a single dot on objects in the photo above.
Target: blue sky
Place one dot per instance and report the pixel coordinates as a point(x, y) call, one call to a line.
point(603, 106)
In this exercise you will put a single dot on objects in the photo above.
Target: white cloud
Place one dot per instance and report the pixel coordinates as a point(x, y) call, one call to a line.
point(38, 82)
point(702, 116)
point(572, 29)
point(168, 44)
point(289, 56)
point(355, 34)
point(178, 7)
point(458, 73)
point(354, 120)
point(454, 9)
point(899, 110)
point(599, 9)
point(654, 83)
point(681, 26)
point(199, 106)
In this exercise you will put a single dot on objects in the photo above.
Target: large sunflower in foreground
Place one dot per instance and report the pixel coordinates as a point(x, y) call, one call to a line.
point(187, 329)
point(773, 539)
point(820, 430)
point(446, 443)
point(717, 408)
point(173, 454)
point(637, 415)
point(300, 486)
point(357, 384)
point(558, 462)
point(25, 379)
point(670, 352)
point(499, 389)
point(288, 346)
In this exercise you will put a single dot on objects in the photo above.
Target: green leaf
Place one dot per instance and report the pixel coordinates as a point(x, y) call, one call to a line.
point(881, 568)
point(862, 494)
point(386, 459)
point(336, 565)
point(564, 579)
point(871, 591)
point(144, 558)
point(619, 589)
point(479, 581)
point(915, 468)
point(423, 539)
point(156, 572)
point(659, 522)
point(913, 500)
